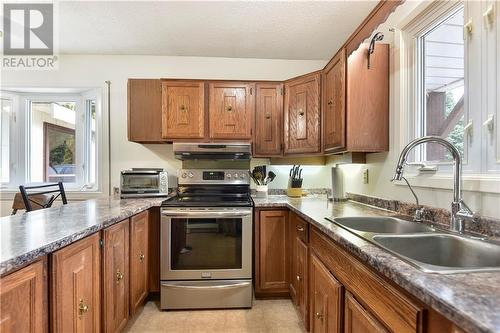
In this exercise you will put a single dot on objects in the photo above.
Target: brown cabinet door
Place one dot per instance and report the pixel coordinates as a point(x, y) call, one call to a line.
point(231, 110)
point(368, 99)
point(76, 287)
point(139, 260)
point(302, 115)
point(183, 110)
point(358, 320)
point(272, 253)
point(326, 299)
point(116, 276)
point(23, 300)
point(144, 110)
point(268, 119)
point(334, 88)
point(302, 280)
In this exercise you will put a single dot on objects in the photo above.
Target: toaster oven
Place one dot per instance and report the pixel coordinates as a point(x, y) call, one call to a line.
point(143, 182)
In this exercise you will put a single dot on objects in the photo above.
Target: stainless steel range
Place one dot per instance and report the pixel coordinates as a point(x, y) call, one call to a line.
point(206, 241)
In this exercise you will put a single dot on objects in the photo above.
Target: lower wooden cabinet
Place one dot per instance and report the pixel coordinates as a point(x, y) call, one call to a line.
point(116, 276)
point(76, 287)
point(325, 299)
point(358, 320)
point(272, 259)
point(139, 260)
point(23, 300)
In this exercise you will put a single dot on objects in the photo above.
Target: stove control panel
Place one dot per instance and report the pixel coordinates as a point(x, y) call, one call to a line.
point(197, 176)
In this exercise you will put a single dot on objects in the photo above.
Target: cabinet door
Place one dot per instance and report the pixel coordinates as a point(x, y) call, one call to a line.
point(326, 299)
point(144, 110)
point(231, 110)
point(302, 279)
point(183, 110)
point(139, 260)
point(116, 276)
point(334, 88)
point(23, 300)
point(76, 287)
point(358, 320)
point(302, 115)
point(272, 253)
point(268, 119)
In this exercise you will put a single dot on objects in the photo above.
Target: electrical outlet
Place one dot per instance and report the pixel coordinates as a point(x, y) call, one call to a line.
point(365, 176)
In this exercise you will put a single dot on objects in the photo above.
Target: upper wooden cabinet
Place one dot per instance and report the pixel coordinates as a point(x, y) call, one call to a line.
point(302, 115)
point(144, 111)
point(76, 287)
point(23, 300)
point(139, 260)
point(231, 110)
point(333, 103)
point(183, 110)
point(268, 119)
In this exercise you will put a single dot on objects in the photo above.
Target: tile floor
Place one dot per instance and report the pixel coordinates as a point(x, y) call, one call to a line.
point(265, 316)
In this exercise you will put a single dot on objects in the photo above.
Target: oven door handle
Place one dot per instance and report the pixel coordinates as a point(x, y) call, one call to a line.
point(220, 286)
point(183, 213)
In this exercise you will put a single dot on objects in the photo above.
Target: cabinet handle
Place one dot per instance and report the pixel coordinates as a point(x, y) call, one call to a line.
point(268, 116)
point(82, 307)
point(301, 113)
point(489, 15)
point(229, 108)
point(183, 108)
point(468, 28)
point(330, 102)
point(319, 316)
point(298, 277)
point(119, 276)
point(300, 228)
point(142, 257)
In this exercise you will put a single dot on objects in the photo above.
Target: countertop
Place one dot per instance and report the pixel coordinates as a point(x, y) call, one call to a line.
point(471, 301)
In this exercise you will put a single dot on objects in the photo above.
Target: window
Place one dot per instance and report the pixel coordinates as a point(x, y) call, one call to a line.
point(57, 137)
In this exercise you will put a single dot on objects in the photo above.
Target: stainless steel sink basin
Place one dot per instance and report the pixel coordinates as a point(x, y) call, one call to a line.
point(443, 253)
point(381, 225)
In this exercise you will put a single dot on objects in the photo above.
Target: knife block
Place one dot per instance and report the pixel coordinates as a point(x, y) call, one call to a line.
point(293, 192)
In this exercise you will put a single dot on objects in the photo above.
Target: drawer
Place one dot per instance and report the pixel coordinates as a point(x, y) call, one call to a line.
point(300, 228)
point(396, 311)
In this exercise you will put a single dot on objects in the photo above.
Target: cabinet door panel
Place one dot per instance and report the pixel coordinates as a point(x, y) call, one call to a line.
point(334, 88)
point(23, 300)
point(268, 119)
point(231, 110)
point(302, 115)
point(302, 278)
point(116, 276)
point(76, 292)
point(139, 260)
point(144, 110)
point(183, 110)
point(358, 320)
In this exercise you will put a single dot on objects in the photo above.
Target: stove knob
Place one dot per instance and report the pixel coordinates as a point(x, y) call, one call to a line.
point(235, 175)
point(228, 176)
point(190, 175)
point(184, 175)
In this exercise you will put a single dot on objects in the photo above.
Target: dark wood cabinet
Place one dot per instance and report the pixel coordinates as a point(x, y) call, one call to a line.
point(302, 115)
point(333, 103)
point(231, 110)
point(139, 260)
point(76, 287)
point(144, 111)
point(325, 299)
point(268, 135)
point(272, 261)
point(23, 300)
point(116, 276)
point(358, 320)
point(183, 109)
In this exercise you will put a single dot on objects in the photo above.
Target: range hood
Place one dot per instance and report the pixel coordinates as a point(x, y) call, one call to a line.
point(213, 151)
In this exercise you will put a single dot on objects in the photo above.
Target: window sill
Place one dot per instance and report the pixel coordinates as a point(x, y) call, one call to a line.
point(470, 183)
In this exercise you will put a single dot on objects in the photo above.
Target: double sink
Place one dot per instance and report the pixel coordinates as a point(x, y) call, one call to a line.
point(428, 249)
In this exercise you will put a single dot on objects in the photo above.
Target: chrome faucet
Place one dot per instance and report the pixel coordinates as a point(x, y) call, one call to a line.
point(460, 212)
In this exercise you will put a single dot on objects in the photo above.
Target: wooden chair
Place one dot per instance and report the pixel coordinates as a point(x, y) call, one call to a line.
point(41, 199)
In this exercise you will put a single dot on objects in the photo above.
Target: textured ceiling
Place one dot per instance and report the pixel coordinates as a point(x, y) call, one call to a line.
point(239, 29)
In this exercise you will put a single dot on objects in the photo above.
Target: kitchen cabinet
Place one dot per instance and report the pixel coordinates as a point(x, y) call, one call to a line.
point(302, 115)
point(333, 103)
point(23, 300)
point(299, 280)
point(139, 260)
point(183, 109)
point(116, 276)
point(231, 110)
point(144, 119)
point(76, 287)
point(358, 320)
point(326, 299)
point(268, 119)
point(272, 261)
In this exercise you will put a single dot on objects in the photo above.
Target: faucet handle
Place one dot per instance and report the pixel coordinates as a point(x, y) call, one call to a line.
point(465, 213)
point(419, 215)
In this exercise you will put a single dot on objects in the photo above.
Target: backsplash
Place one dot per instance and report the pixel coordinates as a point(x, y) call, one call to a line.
point(313, 191)
point(487, 226)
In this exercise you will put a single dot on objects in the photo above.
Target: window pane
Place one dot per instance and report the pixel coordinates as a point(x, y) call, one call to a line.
point(91, 141)
point(6, 106)
point(443, 56)
point(53, 142)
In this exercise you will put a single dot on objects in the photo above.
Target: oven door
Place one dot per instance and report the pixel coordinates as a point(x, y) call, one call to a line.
point(213, 243)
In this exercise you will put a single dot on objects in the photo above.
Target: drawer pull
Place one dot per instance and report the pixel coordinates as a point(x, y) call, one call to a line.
point(119, 276)
point(82, 307)
point(300, 228)
point(319, 316)
point(142, 257)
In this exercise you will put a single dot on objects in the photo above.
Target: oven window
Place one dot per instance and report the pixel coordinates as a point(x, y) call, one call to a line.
point(206, 243)
point(140, 181)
